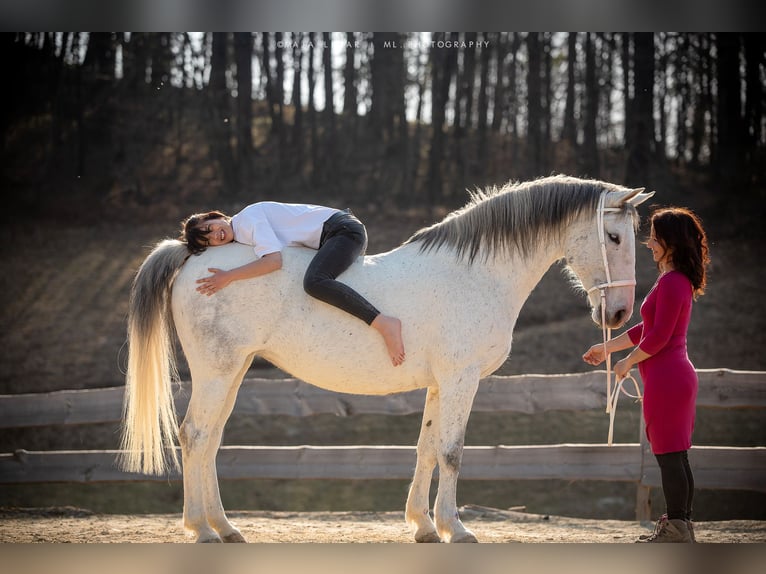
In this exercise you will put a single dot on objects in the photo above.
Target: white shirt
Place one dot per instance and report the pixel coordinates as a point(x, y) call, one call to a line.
point(270, 226)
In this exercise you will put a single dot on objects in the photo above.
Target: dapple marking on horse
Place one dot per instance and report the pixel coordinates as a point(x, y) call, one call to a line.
point(457, 286)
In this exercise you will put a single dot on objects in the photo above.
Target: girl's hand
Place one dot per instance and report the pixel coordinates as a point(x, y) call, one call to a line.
point(622, 368)
point(213, 283)
point(595, 355)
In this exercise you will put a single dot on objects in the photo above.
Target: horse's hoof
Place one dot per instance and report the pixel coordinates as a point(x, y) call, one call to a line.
point(235, 537)
point(429, 538)
point(463, 538)
point(210, 540)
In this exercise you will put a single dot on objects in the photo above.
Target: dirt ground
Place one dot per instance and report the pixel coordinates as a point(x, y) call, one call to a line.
point(64, 525)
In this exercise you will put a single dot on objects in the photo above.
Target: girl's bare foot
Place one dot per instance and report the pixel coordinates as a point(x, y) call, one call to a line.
point(391, 330)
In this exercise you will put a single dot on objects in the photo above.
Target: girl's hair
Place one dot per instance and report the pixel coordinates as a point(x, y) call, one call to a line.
point(194, 234)
point(680, 231)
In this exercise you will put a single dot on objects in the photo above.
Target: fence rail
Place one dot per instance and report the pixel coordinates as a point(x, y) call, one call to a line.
point(719, 468)
point(528, 394)
point(714, 467)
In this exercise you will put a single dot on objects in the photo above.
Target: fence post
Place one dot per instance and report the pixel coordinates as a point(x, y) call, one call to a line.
point(643, 492)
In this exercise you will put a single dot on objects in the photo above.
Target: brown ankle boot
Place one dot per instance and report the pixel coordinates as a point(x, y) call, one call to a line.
point(669, 530)
point(657, 527)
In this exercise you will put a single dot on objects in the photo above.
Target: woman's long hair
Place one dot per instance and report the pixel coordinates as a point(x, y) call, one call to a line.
point(679, 231)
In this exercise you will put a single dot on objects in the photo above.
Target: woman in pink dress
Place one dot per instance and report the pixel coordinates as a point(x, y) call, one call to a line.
point(679, 247)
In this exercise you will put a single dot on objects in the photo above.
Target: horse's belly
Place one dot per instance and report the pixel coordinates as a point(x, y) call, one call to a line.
point(342, 375)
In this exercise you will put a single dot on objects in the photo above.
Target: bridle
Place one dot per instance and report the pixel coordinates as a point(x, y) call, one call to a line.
point(611, 395)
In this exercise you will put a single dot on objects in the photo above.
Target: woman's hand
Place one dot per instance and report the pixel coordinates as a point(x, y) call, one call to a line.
point(622, 368)
point(213, 283)
point(595, 355)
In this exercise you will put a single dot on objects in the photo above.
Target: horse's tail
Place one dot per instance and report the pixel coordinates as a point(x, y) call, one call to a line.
point(150, 428)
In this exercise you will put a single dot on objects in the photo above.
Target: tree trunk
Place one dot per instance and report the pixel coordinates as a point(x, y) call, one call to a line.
point(513, 108)
point(297, 137)
point(534, 107)
point(99, 63)
point(467, 85)
point(569, 131)
point(590, 144)
point(330, 167)
point(220, 127)
point(312, 113)
point(134, 61)
point(627, 72)
point(547, 102)
point(243, 46)
point(755, 49)
point(349, 77)
point(730, 133)
point(441, 75)
point(683, 89)
point(702, 100)
point(481, 129)
point(663, 91)
point(499, 104)
point(162, 59)
point(271, 95)
point(640, 151)
point(410, 183)
point(384, 79)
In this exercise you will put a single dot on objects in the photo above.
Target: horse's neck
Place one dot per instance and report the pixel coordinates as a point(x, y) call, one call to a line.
point(520, 275)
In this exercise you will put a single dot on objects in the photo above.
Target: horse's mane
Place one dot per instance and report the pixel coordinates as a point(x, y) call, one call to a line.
point(513, 217)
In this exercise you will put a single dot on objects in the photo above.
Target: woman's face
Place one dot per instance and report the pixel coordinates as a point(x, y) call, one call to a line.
point(659, 253)
point(217, 231)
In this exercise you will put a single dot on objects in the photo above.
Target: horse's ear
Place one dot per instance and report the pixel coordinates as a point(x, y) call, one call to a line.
point(638, 196)
point(634, 197)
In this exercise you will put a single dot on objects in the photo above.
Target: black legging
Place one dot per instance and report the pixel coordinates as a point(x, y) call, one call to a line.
point(344, 239)
point(677, 484)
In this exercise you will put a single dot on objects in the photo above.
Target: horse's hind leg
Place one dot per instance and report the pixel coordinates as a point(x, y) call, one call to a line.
point(213, 397)
point(216, 516)
point(456, 395)
point(416, 511)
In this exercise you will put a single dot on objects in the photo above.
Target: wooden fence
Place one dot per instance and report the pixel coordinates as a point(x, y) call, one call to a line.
point(714, 467)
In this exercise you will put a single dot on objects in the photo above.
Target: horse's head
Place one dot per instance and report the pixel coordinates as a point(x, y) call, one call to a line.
point(601, 251)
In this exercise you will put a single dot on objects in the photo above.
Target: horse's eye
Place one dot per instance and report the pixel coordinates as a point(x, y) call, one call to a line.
point(615, 238)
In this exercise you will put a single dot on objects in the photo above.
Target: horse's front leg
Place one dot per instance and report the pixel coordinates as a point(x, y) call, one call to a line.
point(418, 505)
point(456, 394)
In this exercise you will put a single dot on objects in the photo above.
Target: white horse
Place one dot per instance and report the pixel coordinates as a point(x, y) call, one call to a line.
point(457, 286)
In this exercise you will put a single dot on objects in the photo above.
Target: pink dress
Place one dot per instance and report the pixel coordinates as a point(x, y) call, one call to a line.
point(670, 381)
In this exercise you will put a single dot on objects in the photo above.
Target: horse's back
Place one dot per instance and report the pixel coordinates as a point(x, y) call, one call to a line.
point(273, 317)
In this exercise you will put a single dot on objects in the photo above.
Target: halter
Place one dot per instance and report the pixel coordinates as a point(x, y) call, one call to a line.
point(611, 395)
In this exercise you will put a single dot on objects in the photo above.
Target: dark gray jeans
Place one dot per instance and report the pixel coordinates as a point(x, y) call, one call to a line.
point(344, 239)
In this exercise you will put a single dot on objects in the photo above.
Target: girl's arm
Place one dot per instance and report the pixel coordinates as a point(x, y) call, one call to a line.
point(220, 278)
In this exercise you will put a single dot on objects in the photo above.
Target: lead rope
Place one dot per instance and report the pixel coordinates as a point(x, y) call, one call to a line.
point(612, 396)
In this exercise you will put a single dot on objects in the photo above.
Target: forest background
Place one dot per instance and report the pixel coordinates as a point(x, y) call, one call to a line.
point(109, 139)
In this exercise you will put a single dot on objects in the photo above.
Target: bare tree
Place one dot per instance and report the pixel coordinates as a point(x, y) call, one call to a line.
point(590, 143)
point(569, 131)
point(441, 76)
point(330, 164)
point(534, 106)
point(349, 77)
point(642, 110)
point(243, 48)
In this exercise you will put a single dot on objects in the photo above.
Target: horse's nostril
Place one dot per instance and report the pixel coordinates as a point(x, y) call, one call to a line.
point(619, 315)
